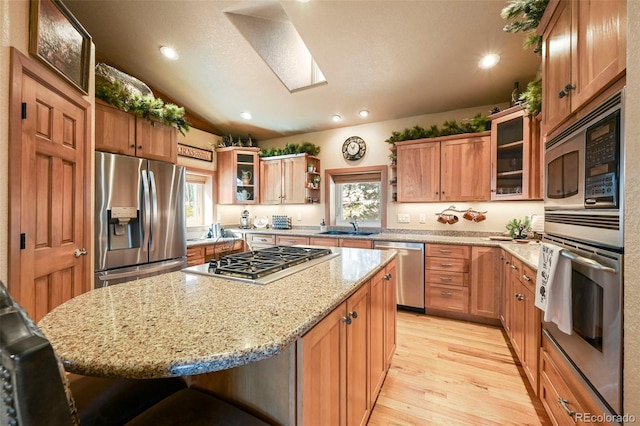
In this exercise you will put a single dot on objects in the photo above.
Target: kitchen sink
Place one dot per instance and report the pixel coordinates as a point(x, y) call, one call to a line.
point(347, 233)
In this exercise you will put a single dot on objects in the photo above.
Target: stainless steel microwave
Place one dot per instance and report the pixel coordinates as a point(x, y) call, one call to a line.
point(584, 175)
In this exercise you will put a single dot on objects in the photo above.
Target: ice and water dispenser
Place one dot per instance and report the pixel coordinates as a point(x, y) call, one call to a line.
point(124, 228)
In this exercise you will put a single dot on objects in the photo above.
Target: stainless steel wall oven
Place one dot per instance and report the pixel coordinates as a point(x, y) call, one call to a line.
point(584, 201)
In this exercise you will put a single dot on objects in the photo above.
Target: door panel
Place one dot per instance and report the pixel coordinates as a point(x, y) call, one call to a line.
point(48, 189)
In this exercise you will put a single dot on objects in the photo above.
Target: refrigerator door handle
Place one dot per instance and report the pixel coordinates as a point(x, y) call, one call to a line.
point(154, 211)
point(147, 211)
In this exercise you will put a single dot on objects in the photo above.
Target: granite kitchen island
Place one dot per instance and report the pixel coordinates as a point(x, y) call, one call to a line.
point(181, 324)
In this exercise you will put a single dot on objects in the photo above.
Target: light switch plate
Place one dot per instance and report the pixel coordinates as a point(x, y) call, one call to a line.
point(299, 217)
point(423, 218)
point(403, 218)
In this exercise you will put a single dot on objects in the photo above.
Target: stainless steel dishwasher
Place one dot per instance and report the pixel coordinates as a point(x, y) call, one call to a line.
point(410, 267)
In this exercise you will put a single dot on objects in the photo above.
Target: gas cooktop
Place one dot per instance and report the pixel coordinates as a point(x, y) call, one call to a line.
point(264, 266)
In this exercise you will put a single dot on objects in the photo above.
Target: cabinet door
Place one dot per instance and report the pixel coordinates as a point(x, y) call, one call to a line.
point(485, 281)
point(377, 356)
point(321, 366)
point(357, 357)
point(518, 319)
point(270, 182)
point(556, 67)
point(466, 169)
point(156, 141)
point(419, 172)
point(238, 175)
point(115, 130)
point(505, 300)
point(294, 180)
point(599, 54)
point(532, 330)
point(390, 312)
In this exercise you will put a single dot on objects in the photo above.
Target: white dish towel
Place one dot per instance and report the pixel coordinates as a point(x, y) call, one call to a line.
point(553, 287)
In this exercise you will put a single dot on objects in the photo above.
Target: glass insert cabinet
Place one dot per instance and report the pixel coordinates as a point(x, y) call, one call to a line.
point(515, 156)
point(238, 175)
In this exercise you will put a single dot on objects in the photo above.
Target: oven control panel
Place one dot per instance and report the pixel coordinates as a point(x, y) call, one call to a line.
point(602, 155)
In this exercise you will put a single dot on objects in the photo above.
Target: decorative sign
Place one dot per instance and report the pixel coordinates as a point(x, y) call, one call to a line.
point(193, 152)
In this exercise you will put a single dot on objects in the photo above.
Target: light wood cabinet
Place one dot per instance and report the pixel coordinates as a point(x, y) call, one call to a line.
point(120, 132)
point(525, 321)
point(447, 277)
point(382, 334)
point(288, 180)
point(583, 52)
point(324, 241)
point(356, 243)
point(260, 241)
point(291, 240)
point(515, 156)
point(238, 175)
point(562, 389)
point(485, 282)
point(505, 299)
point(333, 366)
point(195, 255)
point(450, 168)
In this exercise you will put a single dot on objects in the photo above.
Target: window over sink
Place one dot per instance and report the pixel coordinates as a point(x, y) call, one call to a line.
point(198, 199)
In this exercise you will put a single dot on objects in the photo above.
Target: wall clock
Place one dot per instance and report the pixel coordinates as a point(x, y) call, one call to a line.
point(353, 148)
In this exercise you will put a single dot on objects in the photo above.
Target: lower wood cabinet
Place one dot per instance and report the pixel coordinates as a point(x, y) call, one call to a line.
point(324, 241)
point(356, 243)
point(485, 282)
point(195, 255)
point(333, 366)
point(447, 277)
point(291, 240)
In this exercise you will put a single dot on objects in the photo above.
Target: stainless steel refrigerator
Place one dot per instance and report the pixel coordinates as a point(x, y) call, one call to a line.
point(140, 219)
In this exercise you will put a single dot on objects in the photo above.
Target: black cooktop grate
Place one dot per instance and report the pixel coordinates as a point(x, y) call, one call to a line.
point(261, 263)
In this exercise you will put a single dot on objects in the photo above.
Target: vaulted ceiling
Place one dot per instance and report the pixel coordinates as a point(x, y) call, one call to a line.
point(394, 58)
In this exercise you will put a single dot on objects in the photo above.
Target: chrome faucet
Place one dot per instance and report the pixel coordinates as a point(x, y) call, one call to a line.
point(356, 228)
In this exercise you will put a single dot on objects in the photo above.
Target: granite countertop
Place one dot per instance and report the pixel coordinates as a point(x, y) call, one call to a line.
point(179, 324)
point(527, 253)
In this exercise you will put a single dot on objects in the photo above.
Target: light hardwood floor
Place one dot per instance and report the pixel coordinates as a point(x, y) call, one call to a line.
point(448, 372)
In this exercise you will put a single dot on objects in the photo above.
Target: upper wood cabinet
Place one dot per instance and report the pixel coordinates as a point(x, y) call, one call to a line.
point(238, 175)
point(120, 132)
point(515, 155)
point(584, 50)
point(290, 179)
point(450, 168)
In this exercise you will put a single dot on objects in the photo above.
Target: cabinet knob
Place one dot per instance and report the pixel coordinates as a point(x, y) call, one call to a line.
point(387, 276)
point(565, 91)
point(139, 146)
point(519, 297)
point(353, 314)
point(132, 145)
point(80, 252)
point(526, 277)
point(347, 320)
point(514, 267)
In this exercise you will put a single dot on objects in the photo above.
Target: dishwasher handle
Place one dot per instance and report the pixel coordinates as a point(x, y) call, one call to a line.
point(404, 247)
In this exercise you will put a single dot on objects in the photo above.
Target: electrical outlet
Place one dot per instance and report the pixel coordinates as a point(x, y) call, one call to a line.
point(299, 217)
point(403, 218)
point(423, 218)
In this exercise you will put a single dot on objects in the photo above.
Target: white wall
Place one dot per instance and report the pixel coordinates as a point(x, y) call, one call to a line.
point(632, 220)
point(374, 134)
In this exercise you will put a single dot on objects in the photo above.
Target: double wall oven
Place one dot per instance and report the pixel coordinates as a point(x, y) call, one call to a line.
point(584, 215)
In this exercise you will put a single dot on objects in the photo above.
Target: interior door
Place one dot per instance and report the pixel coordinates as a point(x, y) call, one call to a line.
point(48, 190)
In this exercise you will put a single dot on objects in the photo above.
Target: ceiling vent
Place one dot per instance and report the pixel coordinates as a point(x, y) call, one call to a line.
point(268, 29)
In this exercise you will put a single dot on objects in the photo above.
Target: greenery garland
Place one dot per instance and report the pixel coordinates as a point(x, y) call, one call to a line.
point(291, 148)
point(479, 123)
point(148, 107)
point(525, 16)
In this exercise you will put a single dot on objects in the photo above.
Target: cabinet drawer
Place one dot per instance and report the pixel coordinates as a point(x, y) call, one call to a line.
point(195, 256)
point(447, 264)
point(446, 277)
point(447, 297)
point(354, 243)
point(261, 239)
point(528, 278)
point(554, 392)
point(446, 250)
point(323, 241)
point(285, 240)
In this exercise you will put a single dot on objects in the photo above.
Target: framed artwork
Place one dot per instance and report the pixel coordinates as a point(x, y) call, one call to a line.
point(193, 152)
point(58, 40)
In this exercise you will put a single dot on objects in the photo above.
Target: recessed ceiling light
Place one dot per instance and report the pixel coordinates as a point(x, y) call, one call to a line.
point(489, 61)
point(246, 115)
point(303, 1)
point(336, 117)
point(169, 52)
point(364, 113)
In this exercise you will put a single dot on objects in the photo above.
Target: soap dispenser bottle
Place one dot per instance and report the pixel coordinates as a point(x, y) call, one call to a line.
point(323, 226)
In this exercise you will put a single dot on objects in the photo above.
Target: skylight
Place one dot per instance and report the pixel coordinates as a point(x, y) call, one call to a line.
point(268, 29)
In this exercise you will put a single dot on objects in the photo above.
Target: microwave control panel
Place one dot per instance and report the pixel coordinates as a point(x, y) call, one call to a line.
point(602, 154)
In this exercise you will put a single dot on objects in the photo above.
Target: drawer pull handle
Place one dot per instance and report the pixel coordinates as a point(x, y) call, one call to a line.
point(526, 277)
point(446, 278)
point(448, 265)
point(520, 297)
point(563, 403)
point(514, 267)
point(446, 293)
point(191, 255)
point(444, 251)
